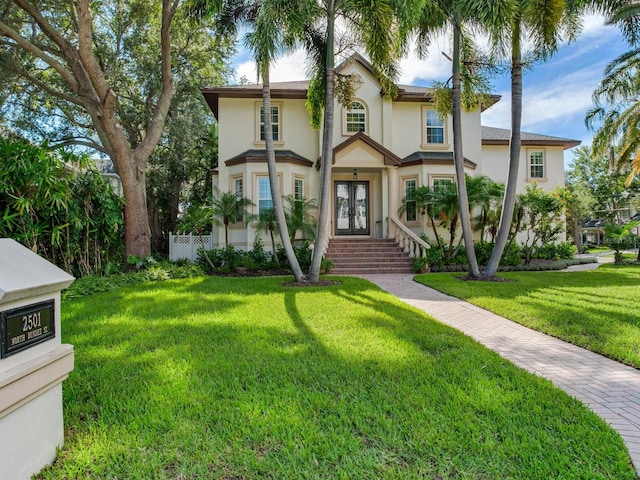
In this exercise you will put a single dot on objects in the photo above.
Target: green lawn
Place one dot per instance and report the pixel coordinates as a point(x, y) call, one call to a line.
point(598, 309)
point(228, 378)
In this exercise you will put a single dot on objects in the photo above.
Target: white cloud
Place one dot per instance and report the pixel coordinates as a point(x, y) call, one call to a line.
point(288, 68)
point(423, 71)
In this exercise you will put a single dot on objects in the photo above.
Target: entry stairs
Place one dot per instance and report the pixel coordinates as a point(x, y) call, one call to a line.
point(367, 256)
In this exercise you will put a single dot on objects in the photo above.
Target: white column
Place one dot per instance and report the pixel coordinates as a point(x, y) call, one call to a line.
point(393, 190)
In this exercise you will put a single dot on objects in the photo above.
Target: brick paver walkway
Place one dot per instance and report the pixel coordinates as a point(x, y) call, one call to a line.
point(610, 389)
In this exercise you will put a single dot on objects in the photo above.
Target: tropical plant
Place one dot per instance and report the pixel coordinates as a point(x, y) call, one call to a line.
point(542, 23)
point(485, 195)
point(619, 237)
point(299, 217)
point(268, 222)
point(376, 30)
point(270, 23)
point(424, 199)
point(229, 208)
point(541, 214)
point(62, 50)
point(59, 206)
point(454, 15)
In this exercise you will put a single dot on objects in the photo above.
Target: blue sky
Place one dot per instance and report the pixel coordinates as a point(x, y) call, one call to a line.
point(556, 94)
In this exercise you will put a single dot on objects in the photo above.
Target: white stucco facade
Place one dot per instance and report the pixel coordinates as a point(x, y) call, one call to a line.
point(386, 144)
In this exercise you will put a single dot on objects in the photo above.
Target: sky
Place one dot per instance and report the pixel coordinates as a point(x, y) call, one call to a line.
point(556, 94)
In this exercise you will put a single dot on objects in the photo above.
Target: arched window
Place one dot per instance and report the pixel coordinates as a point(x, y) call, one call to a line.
point(356, 118)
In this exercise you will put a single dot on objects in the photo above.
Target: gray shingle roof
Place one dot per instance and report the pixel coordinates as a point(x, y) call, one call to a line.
point(501, 136)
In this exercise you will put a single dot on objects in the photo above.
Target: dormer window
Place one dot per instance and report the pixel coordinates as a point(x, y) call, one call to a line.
point(355, 118)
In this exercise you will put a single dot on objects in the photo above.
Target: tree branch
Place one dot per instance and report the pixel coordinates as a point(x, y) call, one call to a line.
point(85, 50)
point(157, 122)
point(41, 84)
point(31, 48)
point(80, 143)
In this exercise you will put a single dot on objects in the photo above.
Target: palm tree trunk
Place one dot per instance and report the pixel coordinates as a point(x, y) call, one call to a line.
point(327, 149)
point(273, 180)
point(458, 158)
point(435, 232)
point(509, 202)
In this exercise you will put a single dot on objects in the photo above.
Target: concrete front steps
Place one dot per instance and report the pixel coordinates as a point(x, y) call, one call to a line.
point(367, 256)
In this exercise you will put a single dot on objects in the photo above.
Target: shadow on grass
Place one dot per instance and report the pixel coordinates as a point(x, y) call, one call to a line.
point(597, 310)
point(229, 379)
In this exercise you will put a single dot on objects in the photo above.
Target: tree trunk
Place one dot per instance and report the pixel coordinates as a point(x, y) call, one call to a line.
point(327, 152)
point(509, 201)
point(458, 159)
point(155, 225)
point(273, 181)
point(577, 237)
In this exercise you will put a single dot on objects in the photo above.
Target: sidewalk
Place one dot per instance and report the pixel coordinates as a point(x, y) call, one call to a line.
point(610, 389)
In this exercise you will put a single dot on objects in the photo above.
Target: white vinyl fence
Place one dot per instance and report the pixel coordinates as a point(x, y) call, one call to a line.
point(186, 245)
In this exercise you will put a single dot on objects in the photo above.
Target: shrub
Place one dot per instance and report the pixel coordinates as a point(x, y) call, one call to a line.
point(553, 251)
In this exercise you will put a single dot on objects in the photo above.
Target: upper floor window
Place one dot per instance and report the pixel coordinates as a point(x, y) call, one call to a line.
point(356, 118)
point(410, 205)
point(275, 122)
point(536, 164)
point(434, 128)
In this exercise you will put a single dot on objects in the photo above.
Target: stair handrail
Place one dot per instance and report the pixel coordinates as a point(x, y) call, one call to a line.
point(407, 240)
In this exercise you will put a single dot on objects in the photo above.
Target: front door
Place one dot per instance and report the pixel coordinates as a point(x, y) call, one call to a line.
point(352, 208)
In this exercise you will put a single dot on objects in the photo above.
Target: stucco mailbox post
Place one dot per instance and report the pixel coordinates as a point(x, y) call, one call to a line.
point(33, 361)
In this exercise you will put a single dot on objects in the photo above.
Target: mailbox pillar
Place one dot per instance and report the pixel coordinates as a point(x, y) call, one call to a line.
point(33, 361)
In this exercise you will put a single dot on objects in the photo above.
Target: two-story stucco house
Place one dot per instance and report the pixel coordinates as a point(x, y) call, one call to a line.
point(381, 150)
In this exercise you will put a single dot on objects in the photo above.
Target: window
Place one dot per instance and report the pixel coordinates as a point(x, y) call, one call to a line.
point(410, 211)
point(440, 184)
point(298, 189)
point(298, 196)
point(237, 185)
point(536, 164)
point(434, 127)
point(275, 122)
point(356, 118)
point(265, 201)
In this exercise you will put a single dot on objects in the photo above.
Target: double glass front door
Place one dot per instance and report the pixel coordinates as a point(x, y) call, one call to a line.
point(352, 208)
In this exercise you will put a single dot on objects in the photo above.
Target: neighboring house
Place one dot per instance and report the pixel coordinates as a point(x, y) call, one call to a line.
point(381, 150)
point(105, 166)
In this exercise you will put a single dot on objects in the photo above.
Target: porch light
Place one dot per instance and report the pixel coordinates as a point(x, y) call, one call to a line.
point(355, 173)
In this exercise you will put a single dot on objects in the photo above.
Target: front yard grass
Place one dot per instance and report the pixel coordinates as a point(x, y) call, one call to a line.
point(597, 309)
point(237, 378)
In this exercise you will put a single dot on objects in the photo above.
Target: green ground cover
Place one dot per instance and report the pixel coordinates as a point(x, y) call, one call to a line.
point(229, 378)
point(597, 309)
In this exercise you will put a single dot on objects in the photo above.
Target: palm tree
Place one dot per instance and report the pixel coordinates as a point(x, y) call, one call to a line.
point(619, 237)
point(270, 21)
point(266, 41)
point(228, 208)
point(484, 194)
point(425, 200)
point(268, 222)
point(436, 16)
point(447, 204)
point(374, 24)
point(543, 23)
point(299, 217)
point(617, 107)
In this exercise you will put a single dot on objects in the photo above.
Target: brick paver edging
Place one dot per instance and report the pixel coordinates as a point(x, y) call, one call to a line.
point(610, 389)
